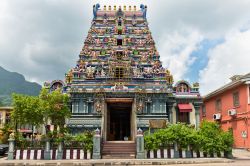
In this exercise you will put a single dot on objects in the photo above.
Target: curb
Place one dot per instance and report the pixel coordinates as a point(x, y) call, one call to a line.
point(113, 162)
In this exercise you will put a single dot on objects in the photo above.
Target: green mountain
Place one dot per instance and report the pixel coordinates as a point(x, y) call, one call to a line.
point(12, 82)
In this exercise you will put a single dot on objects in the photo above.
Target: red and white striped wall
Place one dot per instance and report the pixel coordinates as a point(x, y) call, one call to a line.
point(38, 154)
point(169, 153)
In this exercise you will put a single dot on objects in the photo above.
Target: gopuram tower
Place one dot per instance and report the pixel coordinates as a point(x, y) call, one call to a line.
point(119, 84)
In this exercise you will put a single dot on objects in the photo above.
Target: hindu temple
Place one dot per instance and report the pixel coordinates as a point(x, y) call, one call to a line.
point(119, 84)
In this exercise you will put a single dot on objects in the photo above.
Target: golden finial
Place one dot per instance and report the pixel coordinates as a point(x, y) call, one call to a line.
point(109, 7)
point(124, 8)
point(104, 7)
point(115, 7)
point(129, 8)
point(134, 8)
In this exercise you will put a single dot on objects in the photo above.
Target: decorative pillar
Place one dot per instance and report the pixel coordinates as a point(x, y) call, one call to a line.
point(11, 147)
point(140, 152)
point(188, 152)
point(170, 113)
point(97, 145)
point(228, 154)
point(197, 106)
point(176, 151)
point(60, 151)
point(47, 150)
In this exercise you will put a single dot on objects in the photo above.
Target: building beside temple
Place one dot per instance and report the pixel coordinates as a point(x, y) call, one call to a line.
point(119, 84)
point(5, 116)
point(230, 106)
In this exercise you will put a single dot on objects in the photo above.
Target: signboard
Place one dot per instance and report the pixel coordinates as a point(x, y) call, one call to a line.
point(156, 124)
point(244, 134)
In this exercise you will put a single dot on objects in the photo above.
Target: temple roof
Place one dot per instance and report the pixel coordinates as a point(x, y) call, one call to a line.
point(119, 52)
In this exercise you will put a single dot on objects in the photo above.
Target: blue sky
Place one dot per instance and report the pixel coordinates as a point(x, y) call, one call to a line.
point(201, 58)
point(200, 41)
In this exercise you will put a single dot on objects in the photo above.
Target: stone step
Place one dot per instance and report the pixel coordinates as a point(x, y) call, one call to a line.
point(118, 156)
point(117, 150)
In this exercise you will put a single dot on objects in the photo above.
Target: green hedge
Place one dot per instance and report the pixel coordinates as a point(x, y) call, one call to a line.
point(208, 138)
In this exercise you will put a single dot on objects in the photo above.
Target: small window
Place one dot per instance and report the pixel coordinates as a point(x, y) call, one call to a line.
point(236, 100)
point(120, 23)
point(183, 117)
point(119, 72)
point(89, 108)
point(148, 108)
point(119, 42)
point(75, 107)
point(218, 105)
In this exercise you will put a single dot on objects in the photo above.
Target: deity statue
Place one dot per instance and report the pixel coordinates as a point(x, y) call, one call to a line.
point(134, 22)
point(95, 9)
point(144, 57)
point(105, 21)
point(139, 107)
point(99, 106)
point(93, 54)
point(97, 41)
point(69, 76)
point(144, 10)
point(169, 77)
point(103, 74)
point(90, 72)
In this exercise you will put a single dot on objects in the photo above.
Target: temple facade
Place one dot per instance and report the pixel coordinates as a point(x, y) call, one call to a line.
point(119, 84)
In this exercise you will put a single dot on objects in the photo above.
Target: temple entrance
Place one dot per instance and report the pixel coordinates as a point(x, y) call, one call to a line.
point(119, 121)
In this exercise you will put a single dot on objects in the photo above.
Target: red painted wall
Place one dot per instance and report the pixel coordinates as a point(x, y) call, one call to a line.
point(238, 123)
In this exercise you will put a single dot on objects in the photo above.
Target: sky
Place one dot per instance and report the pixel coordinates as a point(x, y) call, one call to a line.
point(204, 41)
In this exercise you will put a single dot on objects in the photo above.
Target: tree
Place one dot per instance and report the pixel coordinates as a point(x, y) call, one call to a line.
point(26, 111)
point(37, 110)
point(54, 106)
point(209, 138)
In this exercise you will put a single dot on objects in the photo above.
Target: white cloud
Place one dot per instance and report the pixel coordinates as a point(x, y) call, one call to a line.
point(48, 35)
point(225, 60)
point(176, 51)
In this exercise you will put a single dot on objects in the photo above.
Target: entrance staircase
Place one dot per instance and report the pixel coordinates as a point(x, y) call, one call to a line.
point(118, 150)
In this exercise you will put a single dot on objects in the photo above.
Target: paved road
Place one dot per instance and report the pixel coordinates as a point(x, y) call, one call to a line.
point(234, 163)
point(242, 158)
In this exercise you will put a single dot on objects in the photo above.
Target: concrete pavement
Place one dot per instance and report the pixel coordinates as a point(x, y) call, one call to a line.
point(114, 162)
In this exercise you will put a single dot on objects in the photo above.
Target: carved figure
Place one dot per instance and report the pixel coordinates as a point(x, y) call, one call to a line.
point(95, 9)
point(93, 54)
point(144, 57)
point(69, 76)
point(139, 107)
point(103, 74)
point(144, 10)
point(99, 106)
point(119, 87)
point(90, 72)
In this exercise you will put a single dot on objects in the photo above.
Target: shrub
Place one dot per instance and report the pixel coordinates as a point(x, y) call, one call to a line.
point(209, 137)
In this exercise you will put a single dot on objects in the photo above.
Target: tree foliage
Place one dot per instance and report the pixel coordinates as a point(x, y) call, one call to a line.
point(36, 110)
point(54, 106)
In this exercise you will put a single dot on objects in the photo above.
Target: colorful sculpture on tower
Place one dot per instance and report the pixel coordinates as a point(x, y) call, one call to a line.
point(119, 68)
